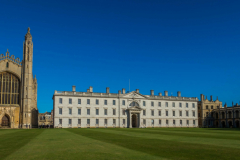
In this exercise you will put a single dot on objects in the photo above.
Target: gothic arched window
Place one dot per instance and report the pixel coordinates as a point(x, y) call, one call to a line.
point(7, 64)
point(9, 88)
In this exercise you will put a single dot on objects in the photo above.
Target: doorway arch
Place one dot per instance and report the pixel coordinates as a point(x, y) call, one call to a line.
point(237, 124)
point(5, 121)
point(134, 120)
point(223, 124)
point(230, 124)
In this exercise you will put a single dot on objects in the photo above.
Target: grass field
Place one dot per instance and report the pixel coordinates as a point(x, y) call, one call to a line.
point(151, 143)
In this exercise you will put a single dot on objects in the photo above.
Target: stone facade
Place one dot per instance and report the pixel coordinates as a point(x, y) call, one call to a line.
point(205, 111)
point(18, 89)
point(45, 119)
point(227, 117)
point(89, 109)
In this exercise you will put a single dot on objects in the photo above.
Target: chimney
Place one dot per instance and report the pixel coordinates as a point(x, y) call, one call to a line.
point(179, 94)
point(107, 90)
point(123, 91)
point(74, 88)
point(236, 104)
point(119, 91)
point(202, 97)
point(166, 93)
point(91, 89)
point(152, 92)
point(88, 90)
point(211, 98)
point(137, 90)
point(160, 94)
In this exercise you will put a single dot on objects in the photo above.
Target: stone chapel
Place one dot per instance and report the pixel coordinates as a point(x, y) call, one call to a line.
point(18, 89)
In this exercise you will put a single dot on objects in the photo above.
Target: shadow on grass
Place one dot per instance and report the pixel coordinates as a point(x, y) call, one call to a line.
point(186, 134)
point(160, 148)
point(11, 142)
point(224, 129)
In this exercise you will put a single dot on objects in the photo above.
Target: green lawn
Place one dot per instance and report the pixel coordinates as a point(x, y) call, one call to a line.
point(151, 143)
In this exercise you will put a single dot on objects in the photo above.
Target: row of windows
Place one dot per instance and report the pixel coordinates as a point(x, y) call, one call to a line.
point(88, 121)
point(123, 103)
point(211, 107)
point(124, 121)
point(173, 113)
point(124, 112)
point(88, 111)
point(167, 122)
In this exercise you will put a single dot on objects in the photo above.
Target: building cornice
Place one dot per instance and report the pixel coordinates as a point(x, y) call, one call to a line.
point(121, 96)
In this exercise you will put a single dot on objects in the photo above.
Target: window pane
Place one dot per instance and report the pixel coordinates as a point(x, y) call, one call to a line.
point(60, 100)
point(60, 121)
point(152, 104)
point(60, 110)
point(123, 111)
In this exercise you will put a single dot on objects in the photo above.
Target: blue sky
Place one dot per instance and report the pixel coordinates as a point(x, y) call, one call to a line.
point(188, 46)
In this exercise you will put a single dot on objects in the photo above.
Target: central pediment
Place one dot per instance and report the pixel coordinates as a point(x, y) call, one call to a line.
point(134, 94)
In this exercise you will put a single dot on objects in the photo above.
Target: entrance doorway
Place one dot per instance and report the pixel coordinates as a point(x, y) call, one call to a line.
point(237, 124)
point(134, 120)
point(230, 124)
point(5, 121)
point(223, 124)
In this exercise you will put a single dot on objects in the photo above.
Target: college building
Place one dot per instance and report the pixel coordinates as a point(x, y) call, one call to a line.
point(89, 109)
point(18, 89)
point(211, 114)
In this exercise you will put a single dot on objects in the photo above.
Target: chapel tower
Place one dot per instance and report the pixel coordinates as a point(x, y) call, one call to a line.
point(28, 82)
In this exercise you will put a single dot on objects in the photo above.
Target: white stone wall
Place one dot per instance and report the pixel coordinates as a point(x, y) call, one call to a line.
point(65, 116)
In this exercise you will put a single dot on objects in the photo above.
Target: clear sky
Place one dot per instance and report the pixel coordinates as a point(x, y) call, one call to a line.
point(188, 46)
